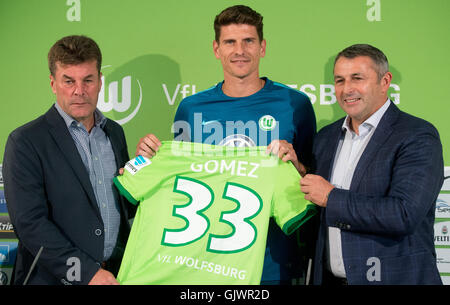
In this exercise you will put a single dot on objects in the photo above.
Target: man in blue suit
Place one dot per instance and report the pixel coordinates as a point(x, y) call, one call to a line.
point(71, 223)
point(378, 172)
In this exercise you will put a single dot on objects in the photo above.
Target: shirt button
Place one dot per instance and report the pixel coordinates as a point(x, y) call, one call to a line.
point(99, 181)
point(98, 232)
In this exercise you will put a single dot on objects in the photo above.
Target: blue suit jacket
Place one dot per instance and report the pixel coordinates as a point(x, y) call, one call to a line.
point(387, 216)
point(51, 202)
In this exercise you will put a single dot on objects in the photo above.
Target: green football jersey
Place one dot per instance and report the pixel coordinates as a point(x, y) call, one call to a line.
point(204, 211)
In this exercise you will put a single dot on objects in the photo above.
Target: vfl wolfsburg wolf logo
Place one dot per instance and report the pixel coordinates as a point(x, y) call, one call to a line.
point(267, 122)
point(119, 106)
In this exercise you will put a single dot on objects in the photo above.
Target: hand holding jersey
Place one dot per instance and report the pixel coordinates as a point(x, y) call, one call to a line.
point(316, 189)
point(148, 146)
point(286, 152)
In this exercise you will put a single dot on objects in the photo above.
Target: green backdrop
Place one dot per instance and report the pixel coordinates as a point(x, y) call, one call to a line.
point(157, 52)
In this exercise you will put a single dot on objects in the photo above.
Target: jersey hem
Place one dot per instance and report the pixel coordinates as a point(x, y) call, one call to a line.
point(296, 222)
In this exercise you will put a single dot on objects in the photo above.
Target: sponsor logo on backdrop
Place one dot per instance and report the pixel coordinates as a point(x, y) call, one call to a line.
point(185, 91)
point(6, 228)
point(3, 278)
point(4, 255)
point(443, 206)
point(441, 236)
point(120, 107)
point(446, 185)
point(8, 252)
point(325, 93)
point(443, 259)
point(3, 208)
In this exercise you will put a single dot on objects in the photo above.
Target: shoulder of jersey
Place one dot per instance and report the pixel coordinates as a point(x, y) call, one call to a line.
point(199, 96)
point(292, 91)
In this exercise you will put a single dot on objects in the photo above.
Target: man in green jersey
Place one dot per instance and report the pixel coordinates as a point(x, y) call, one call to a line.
point(204, 213)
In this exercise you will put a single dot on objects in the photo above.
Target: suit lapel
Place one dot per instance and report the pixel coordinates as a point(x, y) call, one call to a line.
point(381, 134)
point(338, 134)
point(64, 141)
point(327, 159)
point(330, 148)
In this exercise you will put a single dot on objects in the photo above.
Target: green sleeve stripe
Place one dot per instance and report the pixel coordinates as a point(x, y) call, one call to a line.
point(124, 192)
point(296, 222)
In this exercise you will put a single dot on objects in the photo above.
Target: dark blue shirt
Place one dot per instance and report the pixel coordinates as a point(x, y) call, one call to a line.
point(274, 112)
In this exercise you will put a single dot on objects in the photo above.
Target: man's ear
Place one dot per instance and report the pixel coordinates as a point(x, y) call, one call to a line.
point(386, 81)
point(53, 83)
point(216, 49)
point(263, 48)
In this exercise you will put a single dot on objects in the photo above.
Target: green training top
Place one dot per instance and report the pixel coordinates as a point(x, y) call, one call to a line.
point(204, 211)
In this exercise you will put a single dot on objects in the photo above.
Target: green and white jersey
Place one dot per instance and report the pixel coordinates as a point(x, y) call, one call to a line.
point(204, 211)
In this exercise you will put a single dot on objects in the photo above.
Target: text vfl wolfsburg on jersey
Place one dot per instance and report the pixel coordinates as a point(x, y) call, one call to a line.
point(202, 265)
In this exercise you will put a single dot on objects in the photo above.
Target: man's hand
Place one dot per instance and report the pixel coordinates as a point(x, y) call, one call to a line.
point(286, 152)
point(103, 277)
point(148, 146)
point(316, 189)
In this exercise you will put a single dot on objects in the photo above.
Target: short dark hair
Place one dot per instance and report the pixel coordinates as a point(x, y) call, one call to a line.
point(239, 14)
point(73, 50)
point(380, 60)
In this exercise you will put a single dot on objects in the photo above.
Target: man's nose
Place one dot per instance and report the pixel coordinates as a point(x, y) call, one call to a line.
point(79, 89)
point(348, 88)
point(239, 48)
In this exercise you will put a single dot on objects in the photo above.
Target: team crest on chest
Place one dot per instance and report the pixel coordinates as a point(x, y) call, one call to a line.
point(267, 122)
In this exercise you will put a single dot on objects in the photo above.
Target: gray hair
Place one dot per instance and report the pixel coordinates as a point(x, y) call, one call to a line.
point(377, 56)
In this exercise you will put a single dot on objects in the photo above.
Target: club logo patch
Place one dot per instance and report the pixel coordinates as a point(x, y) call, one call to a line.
point(267, 122)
